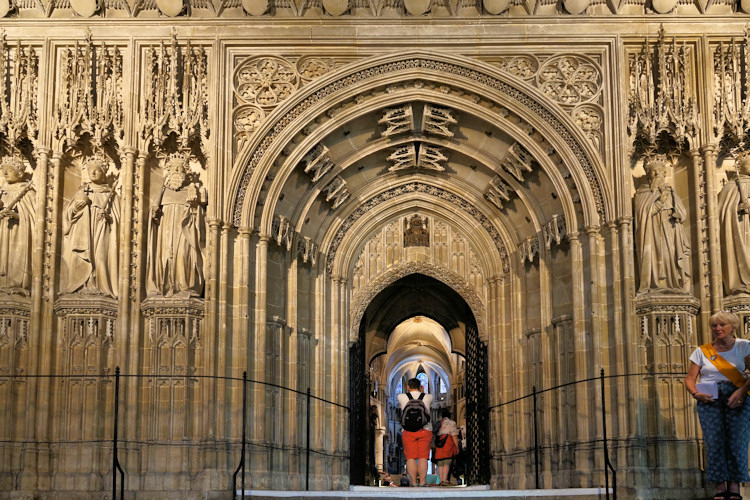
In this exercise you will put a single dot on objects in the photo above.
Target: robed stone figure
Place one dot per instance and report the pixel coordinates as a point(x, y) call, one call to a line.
point(17, 218)
point(91, 231)
point(734, 230)
point(176, 236)
point(663, 247)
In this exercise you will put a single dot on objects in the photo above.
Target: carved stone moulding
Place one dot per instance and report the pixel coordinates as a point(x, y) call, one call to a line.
point(85, 305)
point(173, 316)
point(740, 305)
point(667, 318)
point(14, 322)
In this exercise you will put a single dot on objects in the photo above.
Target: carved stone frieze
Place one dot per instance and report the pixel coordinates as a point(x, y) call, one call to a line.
point(668, 330)
point(417, 187)
point(523, 66)
point(518, 95)
point(363, 298)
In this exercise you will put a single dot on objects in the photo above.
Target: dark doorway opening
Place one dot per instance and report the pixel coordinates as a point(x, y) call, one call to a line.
point(410, 296)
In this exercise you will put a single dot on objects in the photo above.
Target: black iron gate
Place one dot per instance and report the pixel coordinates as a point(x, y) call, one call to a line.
point(477, 417)
point(358, 415)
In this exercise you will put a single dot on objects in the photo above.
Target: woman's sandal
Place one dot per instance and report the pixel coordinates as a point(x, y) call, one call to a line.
point(731, 495)
point(722, 495)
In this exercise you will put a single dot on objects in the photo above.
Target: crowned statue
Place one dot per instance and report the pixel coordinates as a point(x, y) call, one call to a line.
point(17, 218)
point(663, 247)
point(91, 232)
point(176, 237)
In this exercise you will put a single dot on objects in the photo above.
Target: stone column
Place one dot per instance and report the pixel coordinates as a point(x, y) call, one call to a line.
point(582, 358)
point(258, 351)
point(712, 221)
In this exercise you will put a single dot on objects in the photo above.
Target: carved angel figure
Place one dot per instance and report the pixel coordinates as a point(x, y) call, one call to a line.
point(662, 245)
point(734, 230)
point(176, 236)
point(17, 218)
point(91, 231)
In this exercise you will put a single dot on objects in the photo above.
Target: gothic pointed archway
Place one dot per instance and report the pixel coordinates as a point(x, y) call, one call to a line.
point(419, 295)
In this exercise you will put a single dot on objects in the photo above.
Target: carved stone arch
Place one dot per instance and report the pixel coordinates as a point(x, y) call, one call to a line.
point(579, 155)
point(390, 276)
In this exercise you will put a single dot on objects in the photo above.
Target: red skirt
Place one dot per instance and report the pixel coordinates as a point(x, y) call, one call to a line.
point(448, 450)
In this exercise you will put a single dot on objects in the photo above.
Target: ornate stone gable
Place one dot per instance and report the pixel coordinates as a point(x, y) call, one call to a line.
point(584, 162)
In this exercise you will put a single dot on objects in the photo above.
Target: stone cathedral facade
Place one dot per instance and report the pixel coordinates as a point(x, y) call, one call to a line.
point(193, 189)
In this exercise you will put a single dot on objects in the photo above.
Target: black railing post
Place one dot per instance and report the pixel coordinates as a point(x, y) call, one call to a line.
point(307, 458)
point(536, 440)
point(115, 460)
point(241, 466)
point(607, 463)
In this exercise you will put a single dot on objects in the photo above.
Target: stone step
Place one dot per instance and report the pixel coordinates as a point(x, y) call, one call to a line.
point(450, 492)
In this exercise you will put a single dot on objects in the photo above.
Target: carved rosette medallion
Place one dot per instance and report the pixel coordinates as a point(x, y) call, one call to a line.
point(265, 81)
point(570, 79)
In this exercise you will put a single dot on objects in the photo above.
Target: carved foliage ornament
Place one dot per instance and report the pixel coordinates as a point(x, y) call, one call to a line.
point(176, 97)
point(89, 98)
point(732, 88)
point(19, 74)
point(660, 95)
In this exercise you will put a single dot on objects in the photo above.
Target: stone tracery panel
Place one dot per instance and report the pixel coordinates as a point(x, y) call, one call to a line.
point(416, 187)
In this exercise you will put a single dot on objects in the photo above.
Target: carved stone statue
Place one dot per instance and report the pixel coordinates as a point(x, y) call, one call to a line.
point(734, 230)
point(662, 245)
point(91, 230)
point(17, 218)
point(177, 234)
point(415, 232)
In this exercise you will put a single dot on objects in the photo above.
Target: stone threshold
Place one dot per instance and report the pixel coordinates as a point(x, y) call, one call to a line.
point(454, 492)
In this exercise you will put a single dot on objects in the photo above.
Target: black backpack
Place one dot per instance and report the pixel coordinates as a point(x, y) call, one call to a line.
point(415, 415)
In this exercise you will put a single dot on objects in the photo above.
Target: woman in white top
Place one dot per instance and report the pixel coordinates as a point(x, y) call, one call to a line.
point(725, 417)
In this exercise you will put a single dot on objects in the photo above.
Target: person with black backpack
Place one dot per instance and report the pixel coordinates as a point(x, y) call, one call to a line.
point(417, 432)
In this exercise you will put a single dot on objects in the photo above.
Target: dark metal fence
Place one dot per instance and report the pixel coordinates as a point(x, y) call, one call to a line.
point(239, 472)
